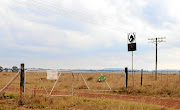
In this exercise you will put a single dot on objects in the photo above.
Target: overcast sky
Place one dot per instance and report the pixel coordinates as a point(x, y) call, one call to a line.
point(88, 34)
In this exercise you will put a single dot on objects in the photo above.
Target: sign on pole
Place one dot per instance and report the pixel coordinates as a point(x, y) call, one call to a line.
point(132, 47)
point(132, 41)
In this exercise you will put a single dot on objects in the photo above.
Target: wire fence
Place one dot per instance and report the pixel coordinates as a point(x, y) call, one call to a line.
point(68, 82)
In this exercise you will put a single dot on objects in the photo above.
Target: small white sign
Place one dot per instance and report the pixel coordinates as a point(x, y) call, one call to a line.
point(131, 37)
point(52, 74)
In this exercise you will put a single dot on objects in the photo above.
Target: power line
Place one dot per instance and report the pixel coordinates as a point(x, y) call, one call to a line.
point(156, 41)
point(84, 9)
point(56, 10)
point(77, 14)
point(97, 30)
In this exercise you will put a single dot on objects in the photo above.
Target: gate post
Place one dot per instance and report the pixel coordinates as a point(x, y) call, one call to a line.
point(141, 76)
point(126, 77)
point(179, 75)
point(22, 75)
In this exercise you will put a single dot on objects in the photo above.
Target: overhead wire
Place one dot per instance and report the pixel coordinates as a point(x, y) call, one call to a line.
point(85, 15)
point(99, 29)
point(56, 10)
point(117, 28)
point(84, 18)
point(77, 17)
point(72, 13)
point(86, 33)
point(82, 9)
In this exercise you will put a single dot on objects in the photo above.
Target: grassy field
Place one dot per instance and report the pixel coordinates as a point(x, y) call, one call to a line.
point(73, 103)
point(167, 86)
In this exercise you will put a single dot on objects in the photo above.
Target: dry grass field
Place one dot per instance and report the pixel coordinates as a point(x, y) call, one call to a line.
point(167, 87)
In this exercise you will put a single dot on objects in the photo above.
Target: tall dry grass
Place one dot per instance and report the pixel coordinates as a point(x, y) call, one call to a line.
point(73, 103)
point(167, 85)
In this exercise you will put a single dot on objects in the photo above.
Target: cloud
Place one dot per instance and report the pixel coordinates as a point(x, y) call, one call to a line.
point(89, 33)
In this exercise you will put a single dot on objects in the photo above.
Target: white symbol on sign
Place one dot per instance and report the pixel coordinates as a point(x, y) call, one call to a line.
point(131, 37)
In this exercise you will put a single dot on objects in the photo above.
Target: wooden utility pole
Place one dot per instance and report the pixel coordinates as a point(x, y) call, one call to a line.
point(156, 41)
point(156, 61)
point(22, 75)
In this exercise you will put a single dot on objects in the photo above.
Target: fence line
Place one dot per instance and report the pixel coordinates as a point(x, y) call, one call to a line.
point(10, 82)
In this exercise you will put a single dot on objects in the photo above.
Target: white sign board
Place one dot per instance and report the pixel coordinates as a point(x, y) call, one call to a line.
point(52, 74)
point(131, 38)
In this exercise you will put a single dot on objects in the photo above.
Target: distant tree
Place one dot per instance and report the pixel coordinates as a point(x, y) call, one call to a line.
point(1, 69)
point(14, 69)
point(6, 69)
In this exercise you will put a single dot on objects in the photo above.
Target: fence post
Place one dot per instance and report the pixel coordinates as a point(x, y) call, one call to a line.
point(126, 77)
point(161, 76)
point(179, 75)
point(21, 84)
point(141, 76)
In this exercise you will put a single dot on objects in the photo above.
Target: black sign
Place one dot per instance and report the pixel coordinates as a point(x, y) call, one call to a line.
point(132, 47)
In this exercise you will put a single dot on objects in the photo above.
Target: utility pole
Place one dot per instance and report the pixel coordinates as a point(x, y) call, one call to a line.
point(156, 41)
point(156, 61)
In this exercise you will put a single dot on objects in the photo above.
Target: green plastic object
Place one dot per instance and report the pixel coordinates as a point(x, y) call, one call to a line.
point(102, 78)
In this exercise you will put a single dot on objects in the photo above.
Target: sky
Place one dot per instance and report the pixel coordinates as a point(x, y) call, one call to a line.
point(88, 34)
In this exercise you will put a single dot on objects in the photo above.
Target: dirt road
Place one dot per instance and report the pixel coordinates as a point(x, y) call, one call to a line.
point(170, 103)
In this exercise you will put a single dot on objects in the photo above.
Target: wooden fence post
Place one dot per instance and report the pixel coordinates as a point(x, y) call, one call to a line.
point(21, 84)
point(126, 77)
point(141, 76)
point(179, 75)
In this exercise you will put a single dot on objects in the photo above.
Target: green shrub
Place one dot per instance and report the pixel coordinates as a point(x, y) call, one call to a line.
point(36, 101)
point(141, 91)
point(11, 96)
point(90, 78)
point(123, 90)
point(14, 107)
point(41, 105)
point(3, 95)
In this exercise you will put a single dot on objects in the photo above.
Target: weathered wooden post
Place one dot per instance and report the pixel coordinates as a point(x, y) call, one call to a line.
point(126, 77)
point(22, 75)
point(179, 75)
point(161, 76)
point(141, 76)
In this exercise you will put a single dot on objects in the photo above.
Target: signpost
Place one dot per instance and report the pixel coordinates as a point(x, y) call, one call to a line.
point(132, 47)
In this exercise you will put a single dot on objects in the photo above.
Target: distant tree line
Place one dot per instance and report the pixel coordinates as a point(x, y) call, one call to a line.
point(13, 69)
